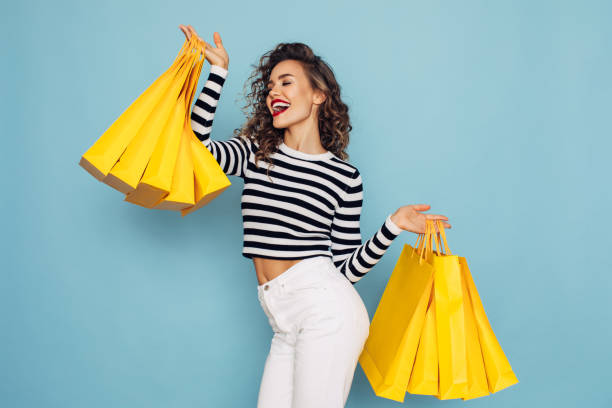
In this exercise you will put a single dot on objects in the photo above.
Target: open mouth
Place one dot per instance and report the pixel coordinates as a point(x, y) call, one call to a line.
point(279, 107)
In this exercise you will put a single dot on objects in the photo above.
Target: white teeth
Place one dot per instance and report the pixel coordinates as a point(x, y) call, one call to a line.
point(280, 105)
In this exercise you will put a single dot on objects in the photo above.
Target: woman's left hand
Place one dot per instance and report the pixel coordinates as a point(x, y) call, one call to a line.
point(215, 55)
point(410, 219)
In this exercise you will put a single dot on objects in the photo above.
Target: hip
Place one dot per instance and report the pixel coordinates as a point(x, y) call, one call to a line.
point(311, 287)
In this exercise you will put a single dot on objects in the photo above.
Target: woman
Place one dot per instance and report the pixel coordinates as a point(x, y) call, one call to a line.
point(301, 208)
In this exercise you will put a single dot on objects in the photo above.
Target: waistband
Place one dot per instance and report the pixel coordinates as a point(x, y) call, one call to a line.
point(302, 272)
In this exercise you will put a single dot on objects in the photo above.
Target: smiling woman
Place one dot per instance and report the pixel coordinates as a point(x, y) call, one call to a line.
point(294, 76)
point(301, 209)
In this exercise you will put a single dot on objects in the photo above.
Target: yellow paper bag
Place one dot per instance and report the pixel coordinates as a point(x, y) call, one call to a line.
point(104, 153)
point(477, 376)
point(182, 194)
point(127, 172)
point(163, 173)
point(424, 376)
point(450, 323)
point(210, 180)
point(498, 369)
point(389, 352)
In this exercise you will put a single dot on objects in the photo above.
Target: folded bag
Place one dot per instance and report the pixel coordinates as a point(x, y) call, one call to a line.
point(104, 153)
point(151, 154)
point(207, 179)
point(127, 172)
point(210, 180)
point(162, 173)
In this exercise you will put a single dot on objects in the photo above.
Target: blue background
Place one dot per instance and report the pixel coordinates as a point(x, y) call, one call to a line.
point(491, 112)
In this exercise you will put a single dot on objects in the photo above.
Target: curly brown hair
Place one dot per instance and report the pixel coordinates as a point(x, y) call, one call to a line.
point(334, 123)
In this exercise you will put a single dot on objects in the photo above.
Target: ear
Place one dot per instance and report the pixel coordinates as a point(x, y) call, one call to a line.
point(318, 97)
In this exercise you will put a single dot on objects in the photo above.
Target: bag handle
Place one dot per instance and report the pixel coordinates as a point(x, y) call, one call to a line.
point(426, 243)
point(187, 47)
point(443, 234)
point(434, 239)
point(192, 56)
point(194, 77)
point(431, 238)
point(436, 236)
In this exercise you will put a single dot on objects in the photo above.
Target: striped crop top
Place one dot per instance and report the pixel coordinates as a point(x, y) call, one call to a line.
point(310, 205)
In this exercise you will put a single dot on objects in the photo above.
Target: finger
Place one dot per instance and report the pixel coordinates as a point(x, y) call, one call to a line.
point(217, 38)
point(435, 217)
point(444, 224)
point(192, 30)
point(184, 30)
point(420, 207)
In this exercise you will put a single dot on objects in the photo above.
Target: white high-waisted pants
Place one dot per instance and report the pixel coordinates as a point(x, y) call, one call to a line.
point(320, 326)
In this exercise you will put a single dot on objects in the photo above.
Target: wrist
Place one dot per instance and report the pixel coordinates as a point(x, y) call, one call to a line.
point(219, 69)
point(392, 224)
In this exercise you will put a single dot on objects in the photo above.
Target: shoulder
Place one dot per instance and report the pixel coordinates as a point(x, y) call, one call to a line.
point(246, 142)
point(343, 168)
point(348, 174)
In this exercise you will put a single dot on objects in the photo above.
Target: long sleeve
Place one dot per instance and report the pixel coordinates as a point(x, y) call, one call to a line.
point(352, 258)
point(232, 155)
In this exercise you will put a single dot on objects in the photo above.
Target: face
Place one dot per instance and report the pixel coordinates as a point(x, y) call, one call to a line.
point(290, 98)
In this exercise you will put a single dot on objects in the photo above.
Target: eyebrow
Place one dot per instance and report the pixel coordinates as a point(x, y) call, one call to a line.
point(279, 77)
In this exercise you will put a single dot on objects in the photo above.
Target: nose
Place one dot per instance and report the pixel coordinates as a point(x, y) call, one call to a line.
point(274, 89)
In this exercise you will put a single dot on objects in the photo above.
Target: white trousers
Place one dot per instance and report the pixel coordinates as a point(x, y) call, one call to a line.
point(320, 326)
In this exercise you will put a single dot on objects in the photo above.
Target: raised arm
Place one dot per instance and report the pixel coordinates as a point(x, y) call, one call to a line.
point(352, 258)
point(232, 155)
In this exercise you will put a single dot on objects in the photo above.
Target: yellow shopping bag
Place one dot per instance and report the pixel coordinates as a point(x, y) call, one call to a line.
point(458, 355)
point(182, 193)
point(104, 153)
point(210, 180)
point(488, 369)
point(165, 172)
point(200, 178)
point(424, 376)
point(127, 172)
point(450, 323)
point(477, 376)
point(389, 352)
point(498, 369)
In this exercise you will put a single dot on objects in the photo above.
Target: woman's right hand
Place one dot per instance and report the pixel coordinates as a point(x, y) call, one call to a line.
point(215, 55)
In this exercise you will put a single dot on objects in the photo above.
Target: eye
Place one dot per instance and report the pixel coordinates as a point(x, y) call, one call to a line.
point(267, 90)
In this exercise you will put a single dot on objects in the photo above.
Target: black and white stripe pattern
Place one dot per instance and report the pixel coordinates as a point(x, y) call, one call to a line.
point(310, 205)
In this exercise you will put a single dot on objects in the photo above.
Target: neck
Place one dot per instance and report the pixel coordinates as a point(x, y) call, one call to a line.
point(304, 136)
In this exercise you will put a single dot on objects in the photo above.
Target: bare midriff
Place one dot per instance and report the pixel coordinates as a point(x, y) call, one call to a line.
point(268, 269)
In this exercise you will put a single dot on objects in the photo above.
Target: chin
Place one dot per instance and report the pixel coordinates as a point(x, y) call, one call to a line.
point(276, 125)
point(286, 123)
